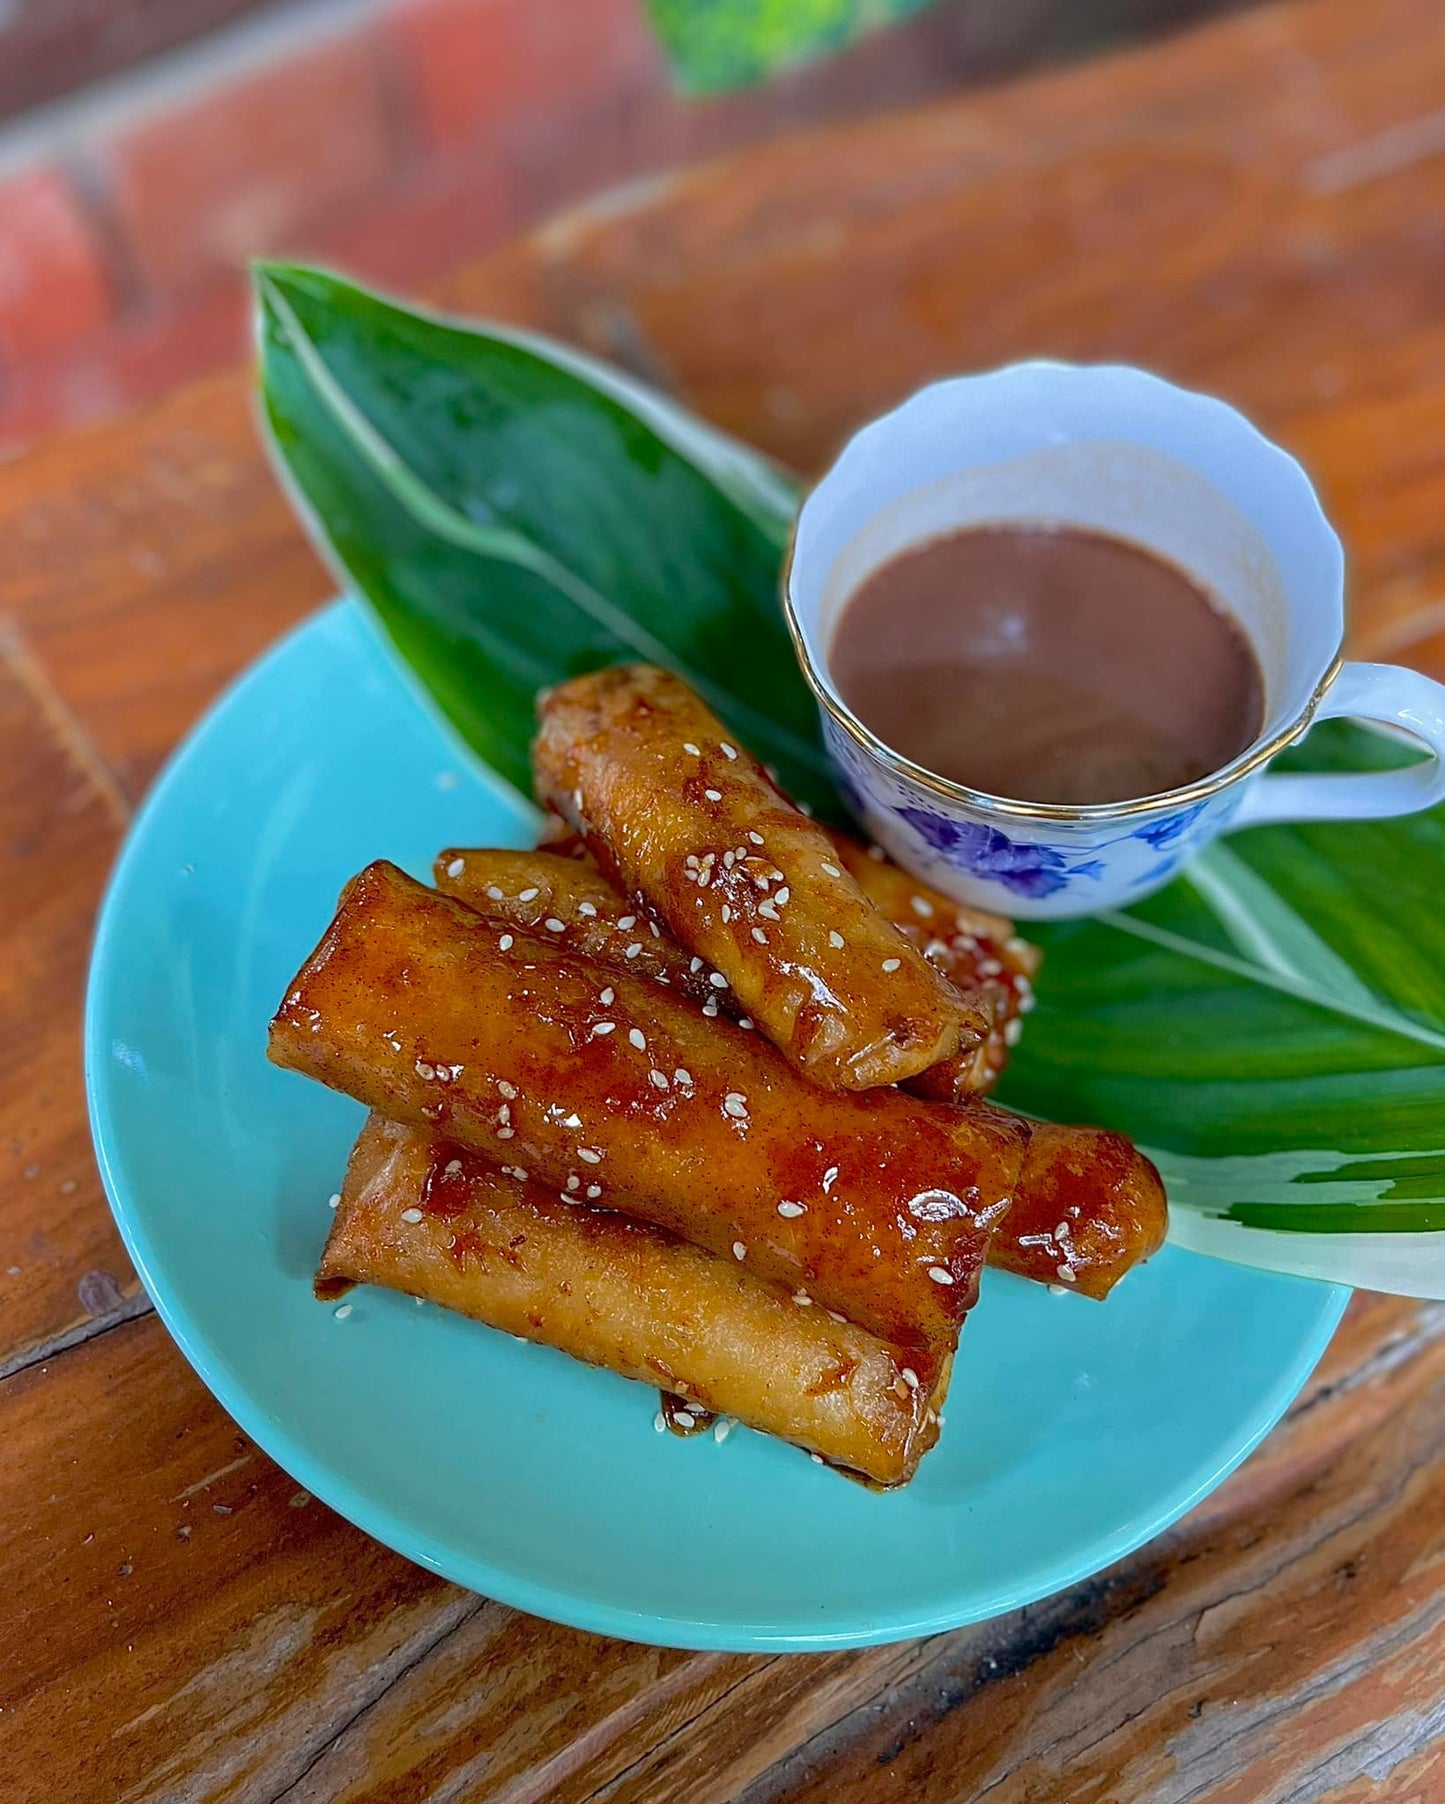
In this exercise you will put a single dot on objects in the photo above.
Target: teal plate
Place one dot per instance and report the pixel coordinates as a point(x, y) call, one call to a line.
point(1074, 1431)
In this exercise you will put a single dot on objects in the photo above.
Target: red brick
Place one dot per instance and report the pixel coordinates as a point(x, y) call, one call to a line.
point(53, 287)
point(250, 165)
point(480, 67)
point(423, 226)
point(127, 365)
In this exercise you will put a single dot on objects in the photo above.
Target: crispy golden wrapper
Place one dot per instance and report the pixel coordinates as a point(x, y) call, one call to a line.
point(686, 821)
point(877, 1206)
point(436, 1221)
point(977, 952)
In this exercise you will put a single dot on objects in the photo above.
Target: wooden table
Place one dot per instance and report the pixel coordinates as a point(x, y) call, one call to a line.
point(1257, 209)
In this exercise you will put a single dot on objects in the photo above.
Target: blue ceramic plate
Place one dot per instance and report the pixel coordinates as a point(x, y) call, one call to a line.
point(1074, 1431)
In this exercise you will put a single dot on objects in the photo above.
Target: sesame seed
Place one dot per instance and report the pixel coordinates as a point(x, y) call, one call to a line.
point(696, 965)
point(834, 937)
point(833, 1316)
point(606, 997)
point(756, 838)
point(456, 867)
point(782, 895)
point(892, 964)
point(594, 1191)
point(527, 895)
point(830, 1177)
point(586, 908)
point(412, 1215)
point(688, 746)
point(586, 1154)
point(553, 925)
point(342, 1313)
point(831, 869)
point(506, 1133)
point(727, 914)
point(792, 1210)
point(452, 1168)
point(802, 1299)
point(735, 1104)
point(989, 967)
point(722, 1428)
point(760, 936)
point(710, 1010)
point(739, 1250)
point(909, 1377)
point(746, 1021)
point(817, 1459)
point(682, 1076)
point(633, 950)
point(768, 911)
point(520, 1172)
point(638, 1038)
point(627, 921)
point(562, 1197)
point(684, 1418)
point(717, 980)
point(658, 1079)
point(656, 930)
point(574, 1120)
point(573, 1181)
point(603, 1027)
point(940, 1275)
point(507, 1090)
point(1013, 1031)
point(659, 1423)
point(492, 890)
point(1067, 1274)
point(334, 1200)
point(506, 942)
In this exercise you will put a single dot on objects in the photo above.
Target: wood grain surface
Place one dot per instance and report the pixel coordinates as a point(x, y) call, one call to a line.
point(1259, 209)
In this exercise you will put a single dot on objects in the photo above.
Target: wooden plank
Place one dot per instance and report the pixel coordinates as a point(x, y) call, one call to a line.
point(147, 562)
point(62, 1267)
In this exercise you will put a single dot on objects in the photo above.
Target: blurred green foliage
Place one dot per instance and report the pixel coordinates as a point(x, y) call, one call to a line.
point(717, 44)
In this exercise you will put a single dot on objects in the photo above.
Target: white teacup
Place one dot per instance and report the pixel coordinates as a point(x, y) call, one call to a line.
point(1181, 474)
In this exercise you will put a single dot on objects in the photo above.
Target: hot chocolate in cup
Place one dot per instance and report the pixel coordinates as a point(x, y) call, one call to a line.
point(1119, 453)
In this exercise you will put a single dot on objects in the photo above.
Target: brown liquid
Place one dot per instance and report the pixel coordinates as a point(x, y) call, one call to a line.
point(1047, 665)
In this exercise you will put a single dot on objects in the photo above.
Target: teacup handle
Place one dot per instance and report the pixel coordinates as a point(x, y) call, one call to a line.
point(1396, 697)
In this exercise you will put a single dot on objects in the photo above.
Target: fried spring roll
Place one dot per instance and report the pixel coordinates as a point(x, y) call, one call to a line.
point(1088, 1208)
point(1105, 1193)
point(681, 818)
point(435, 1221)
point(879, 1207)
point(572, 901)
point(977, 952)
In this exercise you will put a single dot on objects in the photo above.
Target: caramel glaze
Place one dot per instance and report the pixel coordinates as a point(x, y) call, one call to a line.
point(687, 822)
point(411, 1005)
point(1104, 1193)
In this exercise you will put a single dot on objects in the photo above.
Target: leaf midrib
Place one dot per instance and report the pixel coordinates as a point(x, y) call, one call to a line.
point(432, 513)
point(1385, 1020)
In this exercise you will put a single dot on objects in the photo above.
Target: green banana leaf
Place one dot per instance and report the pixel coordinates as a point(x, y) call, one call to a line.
point(1271, 1026)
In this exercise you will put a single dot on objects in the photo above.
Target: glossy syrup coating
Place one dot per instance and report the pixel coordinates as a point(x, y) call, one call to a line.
point(434, 1220)
point(877, 1206)
point(1089, 1207)
point(1117, 1204)
point(687, 821)
point(569, 900)
point(977, 952)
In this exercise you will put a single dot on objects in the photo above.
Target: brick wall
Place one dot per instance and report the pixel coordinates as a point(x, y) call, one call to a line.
point(396, 138)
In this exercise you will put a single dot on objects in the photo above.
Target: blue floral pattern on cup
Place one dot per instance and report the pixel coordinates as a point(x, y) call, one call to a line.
point(1032, 869)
